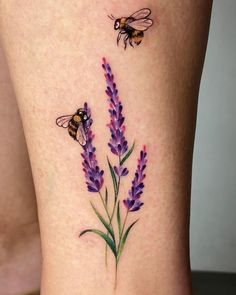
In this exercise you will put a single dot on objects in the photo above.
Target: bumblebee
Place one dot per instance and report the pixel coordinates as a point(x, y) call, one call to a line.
point(132, 28)
point(76, 124)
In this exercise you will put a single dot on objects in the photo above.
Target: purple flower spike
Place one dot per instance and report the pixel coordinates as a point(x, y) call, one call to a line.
point(133, 203)
point(118, 144)
point(93, 174)
point(89, 122)
point(121, 171)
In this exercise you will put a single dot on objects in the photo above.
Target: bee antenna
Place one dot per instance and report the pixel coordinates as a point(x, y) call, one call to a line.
point(111, 17)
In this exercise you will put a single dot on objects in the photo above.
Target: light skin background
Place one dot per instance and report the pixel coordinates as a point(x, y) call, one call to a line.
point(19, 233)
point(54, 51)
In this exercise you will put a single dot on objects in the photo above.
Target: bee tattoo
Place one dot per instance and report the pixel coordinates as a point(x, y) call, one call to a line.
point(76, 124)
point(132, 27)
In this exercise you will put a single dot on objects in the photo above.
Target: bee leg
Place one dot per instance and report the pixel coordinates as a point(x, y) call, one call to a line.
point(126, 38)
point(118, 38)
point(130, 42)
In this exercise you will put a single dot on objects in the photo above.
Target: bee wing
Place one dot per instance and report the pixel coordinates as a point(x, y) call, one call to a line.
point(141, 24)
point(81, 135)
point(63, 121)
point(142, 13)
point(87, 125)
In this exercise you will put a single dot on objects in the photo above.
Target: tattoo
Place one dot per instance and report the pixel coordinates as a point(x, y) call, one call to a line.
point(77, 124)
point(132, 28)
point(114, 215)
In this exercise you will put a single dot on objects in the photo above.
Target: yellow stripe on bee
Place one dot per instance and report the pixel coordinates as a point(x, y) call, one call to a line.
point(77, 118)
point(137, 36)
point(72, 132)
point(72, 126)
point(122, 22)
point(136, 39)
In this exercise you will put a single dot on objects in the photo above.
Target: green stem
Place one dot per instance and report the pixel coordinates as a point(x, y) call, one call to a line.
point(112, 215)
point(123, 227)
point(120, 238)
point(116, 195)
point(116, 270)
point(113, 212)
point(105, 207)
point(110, 224)
point(116, 198)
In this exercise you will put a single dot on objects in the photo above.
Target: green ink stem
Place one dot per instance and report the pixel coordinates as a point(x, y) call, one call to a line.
point(113, 212)
point(116, 270)
point(123, 227)
point(112, 215)
point(105, 207)
point(116, 195)
point(116, 198)
point(118, 248)
point(110, 224)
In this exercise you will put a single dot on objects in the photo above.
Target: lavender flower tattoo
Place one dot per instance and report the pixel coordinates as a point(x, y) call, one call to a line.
point(133, 203)
point(93, 174)
point(118, 144)
point(79, 128)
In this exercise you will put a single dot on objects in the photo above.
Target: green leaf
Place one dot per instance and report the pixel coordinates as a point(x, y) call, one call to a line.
point(104, 236)
point(118, 218)
point(106, 197)
point(122, 243)
point(107, 226)
point(127, 155)
point(113, 176)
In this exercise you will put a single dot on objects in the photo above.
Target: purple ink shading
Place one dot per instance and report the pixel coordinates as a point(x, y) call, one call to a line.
point(121, 171)
point(133, 203)
point(93, 174)
point(118, 144)
point(89, 122)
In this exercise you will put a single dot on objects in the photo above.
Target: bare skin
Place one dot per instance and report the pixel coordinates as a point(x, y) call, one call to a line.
point(54, 51)
point(20, 259)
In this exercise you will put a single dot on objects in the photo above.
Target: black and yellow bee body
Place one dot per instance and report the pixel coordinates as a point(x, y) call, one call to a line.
point(75, 124)
point(132, 28)
point(137, 37)
point(122, 23)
